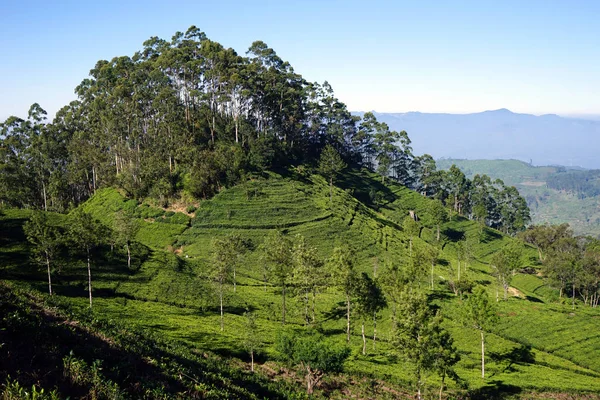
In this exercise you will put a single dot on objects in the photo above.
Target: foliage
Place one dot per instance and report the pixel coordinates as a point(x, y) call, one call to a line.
point(422, 340)
point(313, 355)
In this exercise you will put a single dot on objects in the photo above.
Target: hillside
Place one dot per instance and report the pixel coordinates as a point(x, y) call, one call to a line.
point(547, 205)
point(501, 134)
point(538, 346)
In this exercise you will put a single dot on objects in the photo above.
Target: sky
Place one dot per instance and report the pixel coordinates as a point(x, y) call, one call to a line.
point(457, 56)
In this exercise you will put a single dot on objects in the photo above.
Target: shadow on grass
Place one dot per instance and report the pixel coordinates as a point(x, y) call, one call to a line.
point(520, 355)
point(533, 299)
point(494, 390)
point(138, 364)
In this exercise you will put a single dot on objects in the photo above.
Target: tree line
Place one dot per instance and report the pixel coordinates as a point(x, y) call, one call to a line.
point(188, 116)
point(570, 263)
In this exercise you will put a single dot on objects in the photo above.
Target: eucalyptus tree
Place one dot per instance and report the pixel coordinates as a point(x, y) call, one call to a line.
point(126, 227)
point(421, 339)
point(425, 177)
point(344, 277)
point(505, 262)
point(308, 274)
point(458, 186)
point(479, 313)
point(86, 233)
point(330, 165)
point(370, 300)
point(439, 215)
point(277, 249)
point(224, 260)
point(46, 240)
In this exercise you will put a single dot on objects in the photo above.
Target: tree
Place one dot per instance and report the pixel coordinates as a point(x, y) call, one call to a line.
point(370, 301)
point(505, 262)
point(45, 238)
point(479, 313)
point(125, 227)
point(421, 339)
point(251, 337)
point(86, 233)
point(341, 267)
point(313, 354)
point(330, 165)
point(224, 257)
point(394, 279)
point(277, 249)
point(308, 274)
point(431, 254)
point(438, 214)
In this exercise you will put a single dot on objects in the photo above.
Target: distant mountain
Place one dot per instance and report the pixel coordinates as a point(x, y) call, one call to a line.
point(574, 205)
point(501, 134)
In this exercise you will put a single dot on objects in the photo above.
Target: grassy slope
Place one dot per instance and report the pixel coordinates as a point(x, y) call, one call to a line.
point(551, 206)
point(170, 294)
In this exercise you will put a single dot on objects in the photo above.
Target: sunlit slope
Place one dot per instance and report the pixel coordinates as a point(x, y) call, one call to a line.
point(168, 289)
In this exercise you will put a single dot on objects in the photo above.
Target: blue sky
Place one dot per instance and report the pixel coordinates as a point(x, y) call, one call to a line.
point(389, 56)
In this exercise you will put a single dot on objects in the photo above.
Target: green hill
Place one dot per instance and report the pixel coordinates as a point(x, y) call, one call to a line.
point(537, 346)
point(547, 204)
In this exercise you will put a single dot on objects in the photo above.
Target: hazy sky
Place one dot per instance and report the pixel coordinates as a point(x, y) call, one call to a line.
point(389, 56)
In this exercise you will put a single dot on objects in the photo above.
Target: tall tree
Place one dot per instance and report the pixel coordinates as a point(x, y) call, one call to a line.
point(344, 277)
point(505, 262)
point(438, 214)
point(277, 250)
point(308, 274)
point(251, 337)
point(330, 165)
point(370, 300)
point(86, 233)
point(126, 227)
point(421, 339)
point(223, 259)
point(45, 238)
point(479, 313)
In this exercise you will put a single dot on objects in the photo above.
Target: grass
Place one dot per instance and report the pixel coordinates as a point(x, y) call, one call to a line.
point(167, 291)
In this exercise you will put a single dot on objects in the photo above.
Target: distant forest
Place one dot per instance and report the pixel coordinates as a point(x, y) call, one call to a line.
point(181, 119)
point(581, 183)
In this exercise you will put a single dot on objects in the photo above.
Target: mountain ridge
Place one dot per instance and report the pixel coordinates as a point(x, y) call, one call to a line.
point(547, 139)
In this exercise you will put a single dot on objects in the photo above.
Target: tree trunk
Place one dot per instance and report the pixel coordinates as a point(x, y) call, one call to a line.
point(44, 193)
point(49, 278)
point(374, 329)
point(482, 356)
point(347, 319)
point(252, 360)
point(283, 297)
point(364, 349)
point(306, 319)
point(128, 256)
point(221, 300)
point(432, 265)
point(309, 382)
point(573, 297)
point(314, 303)
point(438, 232)
point(89, 276)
